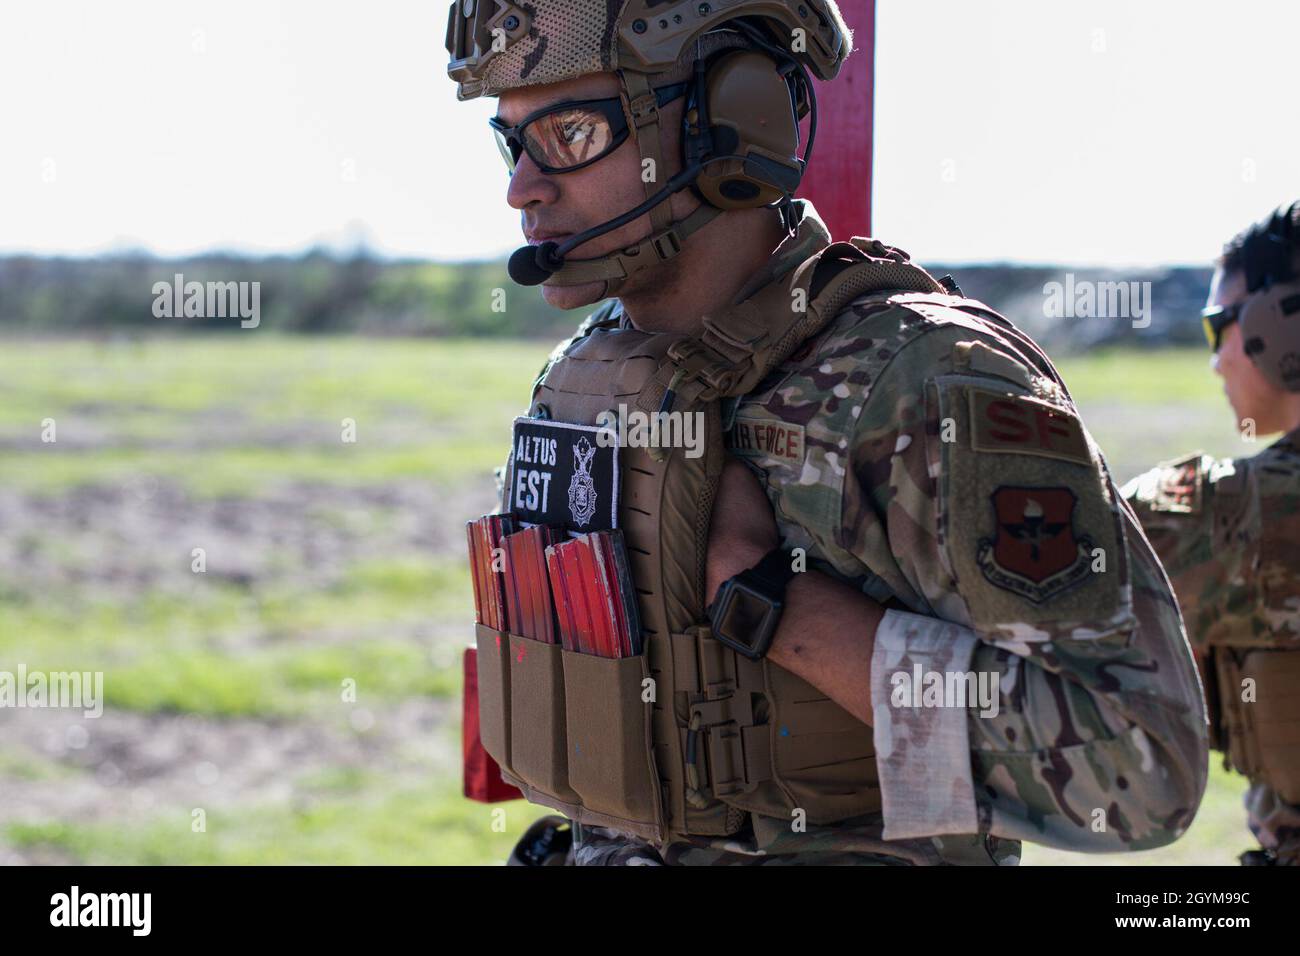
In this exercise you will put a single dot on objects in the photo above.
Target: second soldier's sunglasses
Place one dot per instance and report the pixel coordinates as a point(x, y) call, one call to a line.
point(568, 136)
point(1215, 320)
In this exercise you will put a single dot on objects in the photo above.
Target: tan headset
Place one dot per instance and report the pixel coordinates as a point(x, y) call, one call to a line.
point(741, 123)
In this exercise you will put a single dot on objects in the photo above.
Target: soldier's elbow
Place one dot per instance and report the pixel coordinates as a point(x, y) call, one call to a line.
point(1158, 807)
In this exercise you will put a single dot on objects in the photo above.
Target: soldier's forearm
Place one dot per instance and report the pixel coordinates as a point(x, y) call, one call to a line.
point(826, 636)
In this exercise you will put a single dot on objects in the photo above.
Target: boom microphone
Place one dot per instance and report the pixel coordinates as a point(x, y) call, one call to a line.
point(533, 265)
point(525, 265)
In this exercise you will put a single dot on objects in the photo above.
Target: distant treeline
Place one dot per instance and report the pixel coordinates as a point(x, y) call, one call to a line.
point(314, 293)
point(322, 293)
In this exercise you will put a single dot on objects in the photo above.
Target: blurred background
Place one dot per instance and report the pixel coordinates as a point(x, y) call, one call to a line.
point(299, 699)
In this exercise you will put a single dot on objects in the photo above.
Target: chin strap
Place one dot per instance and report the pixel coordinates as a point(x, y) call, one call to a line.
point(616, 267)
point(641, 106)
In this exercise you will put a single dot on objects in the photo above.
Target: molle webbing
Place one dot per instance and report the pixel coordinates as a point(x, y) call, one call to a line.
point(727, 735)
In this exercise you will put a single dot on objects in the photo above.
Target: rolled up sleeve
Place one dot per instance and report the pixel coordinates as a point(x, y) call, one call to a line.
point(922, 752)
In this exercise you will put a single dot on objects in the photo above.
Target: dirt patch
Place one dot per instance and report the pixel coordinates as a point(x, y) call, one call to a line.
point(134, 541)
point(140, 536)
point(127, 768)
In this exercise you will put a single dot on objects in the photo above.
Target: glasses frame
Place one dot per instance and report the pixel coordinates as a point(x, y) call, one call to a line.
point(1215, 320)
point(513, 143)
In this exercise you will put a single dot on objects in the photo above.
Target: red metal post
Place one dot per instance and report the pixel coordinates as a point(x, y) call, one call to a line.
point(481, 775)
point(838, 181)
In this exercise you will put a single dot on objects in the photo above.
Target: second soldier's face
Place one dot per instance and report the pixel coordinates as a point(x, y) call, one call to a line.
point(1254, 400)
point(557, 206)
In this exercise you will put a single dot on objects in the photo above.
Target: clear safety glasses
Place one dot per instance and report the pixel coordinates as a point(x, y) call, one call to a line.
point(568, 136)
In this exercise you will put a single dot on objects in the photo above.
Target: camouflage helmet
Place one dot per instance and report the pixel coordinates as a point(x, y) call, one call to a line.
point(497, 45)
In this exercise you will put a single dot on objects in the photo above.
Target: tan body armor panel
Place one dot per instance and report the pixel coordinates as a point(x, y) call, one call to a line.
point(1253, 676)
point(1255, 714)
point(687, 737)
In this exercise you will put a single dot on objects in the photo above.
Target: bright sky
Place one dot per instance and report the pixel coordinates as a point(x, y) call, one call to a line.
point(1106, 132)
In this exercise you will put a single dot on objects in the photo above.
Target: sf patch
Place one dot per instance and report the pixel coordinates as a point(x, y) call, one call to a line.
point(1035, 551)
point(1029, 524)
point(1019, 425)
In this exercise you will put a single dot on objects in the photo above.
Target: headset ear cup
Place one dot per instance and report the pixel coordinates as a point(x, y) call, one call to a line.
point(754, 129)
point(1270, 333)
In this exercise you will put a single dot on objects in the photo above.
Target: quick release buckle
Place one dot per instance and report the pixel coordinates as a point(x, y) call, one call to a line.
point(720, 720)
point(667, 245)
point(703, 362)
point(644, 109)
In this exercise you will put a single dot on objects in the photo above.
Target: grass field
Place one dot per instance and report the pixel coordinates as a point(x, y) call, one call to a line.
point(299, 698)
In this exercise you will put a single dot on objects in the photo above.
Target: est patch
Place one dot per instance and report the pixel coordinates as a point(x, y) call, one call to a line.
point(768, 438)
point(563, 474)
point(1019, 425)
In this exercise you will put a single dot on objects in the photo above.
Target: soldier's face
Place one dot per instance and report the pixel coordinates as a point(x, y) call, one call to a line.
point(557, 206)
point(1253, 397)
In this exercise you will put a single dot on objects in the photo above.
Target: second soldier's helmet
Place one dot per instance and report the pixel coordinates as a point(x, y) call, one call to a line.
point(1270, 317)
point(740, 135)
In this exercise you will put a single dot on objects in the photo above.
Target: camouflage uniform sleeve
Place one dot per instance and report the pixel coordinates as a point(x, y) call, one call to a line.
point(1175, 504)
point(1020, 567)
point(1170, 502)
point(1228, 534)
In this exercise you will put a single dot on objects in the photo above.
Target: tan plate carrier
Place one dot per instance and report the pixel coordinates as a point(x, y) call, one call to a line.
point(689, 736)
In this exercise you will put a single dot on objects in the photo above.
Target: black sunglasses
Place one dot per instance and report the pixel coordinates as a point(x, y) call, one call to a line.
point(1215, 320)
point(568, 136)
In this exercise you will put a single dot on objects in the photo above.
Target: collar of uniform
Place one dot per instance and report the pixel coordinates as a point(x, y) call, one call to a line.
point(809, 236)
point(1291, 440)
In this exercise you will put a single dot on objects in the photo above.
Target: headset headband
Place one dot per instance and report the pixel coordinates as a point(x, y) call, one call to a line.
point(1269, 252)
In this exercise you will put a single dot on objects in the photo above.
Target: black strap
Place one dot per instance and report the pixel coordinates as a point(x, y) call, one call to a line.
point(774, 571)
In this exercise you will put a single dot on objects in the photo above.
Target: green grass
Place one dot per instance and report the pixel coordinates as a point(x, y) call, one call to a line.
point(353, 820)
point(1179, 376)
point(247, 472)
point(1148, 406)
point(422, 410)
point(278, 377)
point(174, 654)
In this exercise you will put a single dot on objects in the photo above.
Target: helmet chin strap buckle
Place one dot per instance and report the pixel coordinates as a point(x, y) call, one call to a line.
point(667, 244)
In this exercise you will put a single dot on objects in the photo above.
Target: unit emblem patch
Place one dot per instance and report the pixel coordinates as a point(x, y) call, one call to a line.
point(1034, 551)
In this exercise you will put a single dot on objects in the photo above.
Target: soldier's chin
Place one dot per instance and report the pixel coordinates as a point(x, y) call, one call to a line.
point(572, 296)
point(1251, 421)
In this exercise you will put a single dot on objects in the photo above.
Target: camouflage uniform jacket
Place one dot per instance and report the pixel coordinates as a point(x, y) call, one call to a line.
point(1228, 534)
point(915, 450)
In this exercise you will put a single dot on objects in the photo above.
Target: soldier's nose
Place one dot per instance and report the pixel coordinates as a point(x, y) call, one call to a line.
point(528, 185)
